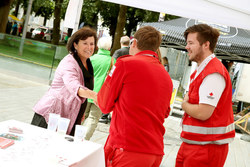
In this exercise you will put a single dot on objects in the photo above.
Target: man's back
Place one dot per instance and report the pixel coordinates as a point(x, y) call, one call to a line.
point(138, 91)
point(142, 103)
point(120, 52)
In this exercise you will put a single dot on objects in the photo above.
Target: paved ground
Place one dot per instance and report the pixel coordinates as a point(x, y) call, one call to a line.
point(18, 96)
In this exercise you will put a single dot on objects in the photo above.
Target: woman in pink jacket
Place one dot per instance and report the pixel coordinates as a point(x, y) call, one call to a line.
point(72, 83)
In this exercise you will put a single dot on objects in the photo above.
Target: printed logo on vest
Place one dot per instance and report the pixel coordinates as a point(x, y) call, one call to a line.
point(112, 71)
point(211, 95)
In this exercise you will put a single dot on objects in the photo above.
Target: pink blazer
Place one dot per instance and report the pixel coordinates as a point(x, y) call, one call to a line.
point(62, 98)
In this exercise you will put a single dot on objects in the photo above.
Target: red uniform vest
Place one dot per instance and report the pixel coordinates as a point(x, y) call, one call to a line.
point(219, 128)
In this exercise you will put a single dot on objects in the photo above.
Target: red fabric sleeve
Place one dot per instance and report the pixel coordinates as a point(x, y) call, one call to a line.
point(167, 112)
point(111, 88)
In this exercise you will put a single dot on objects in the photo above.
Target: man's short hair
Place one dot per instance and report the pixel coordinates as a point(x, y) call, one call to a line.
point(205, 33)
point(148, 38)
point(125, 40)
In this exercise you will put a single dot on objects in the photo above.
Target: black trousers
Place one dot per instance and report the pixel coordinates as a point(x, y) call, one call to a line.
point(39, 120)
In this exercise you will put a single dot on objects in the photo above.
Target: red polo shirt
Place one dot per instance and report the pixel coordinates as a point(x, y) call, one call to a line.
point(138, 91)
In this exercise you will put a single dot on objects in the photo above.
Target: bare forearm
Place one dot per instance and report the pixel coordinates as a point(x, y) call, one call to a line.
point(198, 111)
point(86, 93)
point(191, 109)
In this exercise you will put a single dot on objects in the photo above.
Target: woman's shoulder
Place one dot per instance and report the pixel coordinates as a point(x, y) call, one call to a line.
point(68, 58)
point(67, 61)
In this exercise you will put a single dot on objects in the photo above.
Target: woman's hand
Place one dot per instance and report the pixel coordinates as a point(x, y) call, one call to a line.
point(86, 93)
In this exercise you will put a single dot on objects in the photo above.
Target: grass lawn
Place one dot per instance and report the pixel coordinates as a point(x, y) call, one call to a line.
point(34, 51)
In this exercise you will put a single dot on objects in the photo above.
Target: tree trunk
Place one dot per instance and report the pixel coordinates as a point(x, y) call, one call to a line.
point(4, 12)
point(112, 29)
point(17, 7)
point(95, 20)
point(44, 21)
point(121, 20)
point(57, 20)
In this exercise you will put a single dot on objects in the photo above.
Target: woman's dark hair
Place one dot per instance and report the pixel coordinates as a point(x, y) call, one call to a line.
point(81, 34)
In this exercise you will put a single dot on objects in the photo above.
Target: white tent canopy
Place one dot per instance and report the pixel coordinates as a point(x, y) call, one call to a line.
point(226, 12)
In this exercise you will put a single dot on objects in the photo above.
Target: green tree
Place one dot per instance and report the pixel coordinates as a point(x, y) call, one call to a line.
point(170, 17)
point(17, 4)
point(89, 13)
point(135, 16)
point(109, 13)
point(4, 12)
point(44, 8)
point(64, 8)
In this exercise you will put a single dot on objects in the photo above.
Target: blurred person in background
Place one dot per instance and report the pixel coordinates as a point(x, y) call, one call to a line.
point(8, 27)
point(14, 29)
point(20, 30)
point(102, 62)
point(165, 63)
point(124, 50)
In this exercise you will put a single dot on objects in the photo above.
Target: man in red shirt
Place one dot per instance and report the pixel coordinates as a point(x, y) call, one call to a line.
point(138, 91)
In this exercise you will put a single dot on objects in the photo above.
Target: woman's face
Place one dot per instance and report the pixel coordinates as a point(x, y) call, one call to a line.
point(85, 48)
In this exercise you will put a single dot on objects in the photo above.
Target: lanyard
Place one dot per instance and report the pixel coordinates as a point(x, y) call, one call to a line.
point(151, 55)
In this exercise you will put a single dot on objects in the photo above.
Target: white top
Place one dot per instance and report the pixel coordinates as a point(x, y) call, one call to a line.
point(212, 86)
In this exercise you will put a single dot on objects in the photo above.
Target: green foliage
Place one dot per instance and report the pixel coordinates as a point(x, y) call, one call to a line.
point(151, 16)
point(89, 13)
point(44, 8)
point(13, 4)
point(135, 16)
point(64, 8)
point(109, 12)
point(90, 10)
point(170, 17)
point(23, 3)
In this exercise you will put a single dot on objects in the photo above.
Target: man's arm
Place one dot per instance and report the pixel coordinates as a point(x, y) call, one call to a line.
point(210, 93)
point(110, 90)
point(116, 54)
point(198, 111)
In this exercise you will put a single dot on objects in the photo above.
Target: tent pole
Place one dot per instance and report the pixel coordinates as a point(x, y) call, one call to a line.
point(25, 28)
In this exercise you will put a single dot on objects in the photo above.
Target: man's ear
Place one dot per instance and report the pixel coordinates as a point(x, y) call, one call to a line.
point(134, 44)
point(206, 45)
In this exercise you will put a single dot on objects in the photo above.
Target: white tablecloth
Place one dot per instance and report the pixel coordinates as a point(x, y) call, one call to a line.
point(41, 147)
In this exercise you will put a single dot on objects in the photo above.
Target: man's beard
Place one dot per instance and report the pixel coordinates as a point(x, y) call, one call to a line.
point(198, 56)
